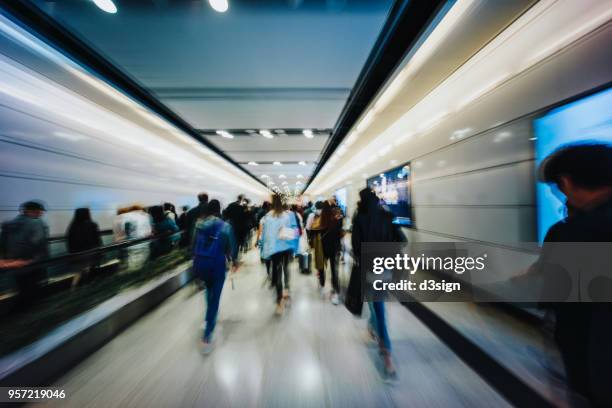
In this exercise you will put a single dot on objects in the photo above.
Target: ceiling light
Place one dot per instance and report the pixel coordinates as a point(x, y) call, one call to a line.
point(276, 163)
point(225, 134)
point(302, 163)
point(266, 133)
point(219, 5)
point(299, 176)
point(308, 133)
point(106, 5)
point(279, 131)
point(284, 183)
point(282, 176)
point(264, 176)
point(252, 163)
point(298, 183)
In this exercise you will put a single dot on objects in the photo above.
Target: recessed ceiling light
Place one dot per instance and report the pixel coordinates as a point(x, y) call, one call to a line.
point(298, 183)
point(302, 163)
point(219, 5)
point(308, 133)
point(299, 176)
point(106, 5)
point(225, 134)
point(252, 163)
point(264, 176)
point(266, 133)
point(284, 183)
point(276, 163)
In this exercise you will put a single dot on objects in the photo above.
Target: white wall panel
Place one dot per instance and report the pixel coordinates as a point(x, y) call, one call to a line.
point(506, 144)
point(502, 225)
point(508, 185)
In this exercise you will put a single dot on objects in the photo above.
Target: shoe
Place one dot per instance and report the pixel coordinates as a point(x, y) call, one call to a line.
point(335, 299)
point(206, 347)
point(390, 372)
point(279, 309)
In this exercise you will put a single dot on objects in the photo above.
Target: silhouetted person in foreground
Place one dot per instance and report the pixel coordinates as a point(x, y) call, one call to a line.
point(24, 240)
point(583, 331)
point(373, 223)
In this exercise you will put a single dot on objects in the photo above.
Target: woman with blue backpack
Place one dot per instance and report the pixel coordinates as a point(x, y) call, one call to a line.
point(214, 246)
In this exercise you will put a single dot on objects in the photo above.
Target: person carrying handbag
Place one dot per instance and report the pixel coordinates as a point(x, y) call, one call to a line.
point(277, 234)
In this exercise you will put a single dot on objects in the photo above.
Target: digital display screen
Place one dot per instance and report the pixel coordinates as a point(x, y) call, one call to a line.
point(393, 188)
point(584, 120)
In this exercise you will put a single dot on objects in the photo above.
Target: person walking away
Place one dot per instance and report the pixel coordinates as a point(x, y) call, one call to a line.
point(83, 234)
point(162, 226)
point(583, 173)
point(372, 223)
point(24, 240)
point(275, 239)
point(327, 234)
point(214, 245)
point(182, 219)
point(236, 215)
point(192, 218)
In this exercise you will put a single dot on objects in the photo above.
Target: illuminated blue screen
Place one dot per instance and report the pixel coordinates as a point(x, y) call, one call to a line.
point(393, 187)
point(587, 119)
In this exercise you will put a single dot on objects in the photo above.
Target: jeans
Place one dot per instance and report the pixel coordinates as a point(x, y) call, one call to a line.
point(280, 265)
point(378, 323)
point(334, 274)
point(213, 279)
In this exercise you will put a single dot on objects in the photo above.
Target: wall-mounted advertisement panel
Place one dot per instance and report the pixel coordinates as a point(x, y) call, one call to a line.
point(585, 120)
point(394, 188)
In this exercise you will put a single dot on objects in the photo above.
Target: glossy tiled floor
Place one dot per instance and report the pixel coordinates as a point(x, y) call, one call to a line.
point(313, 356)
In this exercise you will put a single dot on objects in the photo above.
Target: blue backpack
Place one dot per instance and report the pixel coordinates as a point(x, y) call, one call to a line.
point(208, 249)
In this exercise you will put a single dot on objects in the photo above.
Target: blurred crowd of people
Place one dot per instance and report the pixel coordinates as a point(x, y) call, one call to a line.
point(310, 236)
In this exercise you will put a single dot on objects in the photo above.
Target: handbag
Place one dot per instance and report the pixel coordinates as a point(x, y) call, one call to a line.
point(354, 299)
point(287, 234)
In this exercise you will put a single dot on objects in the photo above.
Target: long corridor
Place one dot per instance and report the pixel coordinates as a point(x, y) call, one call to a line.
point(315, 355)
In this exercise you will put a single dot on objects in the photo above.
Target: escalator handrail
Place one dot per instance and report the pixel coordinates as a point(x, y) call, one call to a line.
point(90, 253)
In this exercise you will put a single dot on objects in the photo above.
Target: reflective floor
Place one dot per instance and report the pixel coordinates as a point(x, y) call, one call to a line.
point(316, 355)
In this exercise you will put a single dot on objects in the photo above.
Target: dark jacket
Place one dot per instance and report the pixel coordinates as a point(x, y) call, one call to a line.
point(583, 331)
point(373, 223)
point(237, 215)
point(191, 218)
point(164, 245)
point(83, 236)
point(24, 238)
